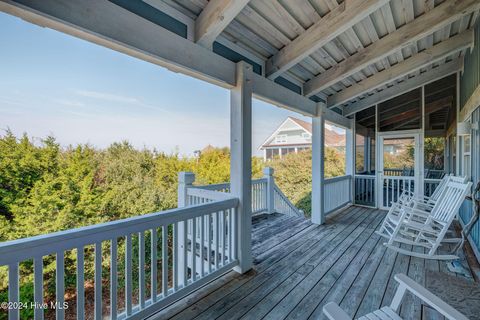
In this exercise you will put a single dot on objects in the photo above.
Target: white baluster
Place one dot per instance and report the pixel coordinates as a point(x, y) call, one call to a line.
point(113, 279)
point(153, 267)
point(98, 281)
point(38, 286)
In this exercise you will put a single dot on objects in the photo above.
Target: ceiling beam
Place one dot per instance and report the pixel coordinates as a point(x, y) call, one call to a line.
point(401, 69)
point(108, 25)
point(415, 112)
point(405, 86)
point(214, 18)
point(441, 16)
point(320, 33)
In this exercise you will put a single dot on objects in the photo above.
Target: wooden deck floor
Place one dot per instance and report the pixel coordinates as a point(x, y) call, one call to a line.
point(299, 267)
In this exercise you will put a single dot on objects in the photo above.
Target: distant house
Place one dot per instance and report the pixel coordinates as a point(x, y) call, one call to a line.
point(295, 135)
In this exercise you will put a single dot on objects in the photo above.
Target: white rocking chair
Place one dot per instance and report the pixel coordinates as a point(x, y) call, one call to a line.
point(334, 312)
point(424, 203)
point(429, 233)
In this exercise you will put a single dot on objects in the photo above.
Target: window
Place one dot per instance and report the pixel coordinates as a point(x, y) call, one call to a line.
point(306, 135)
point(466, 156)
point(281, 138)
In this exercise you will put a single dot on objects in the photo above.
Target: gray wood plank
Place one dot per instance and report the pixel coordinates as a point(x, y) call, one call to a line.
point(267, 258)
point(372, 253)
point(376, 290)
point(411, 305)
point(277, 272)
point(299, 267)
point(356, 293)
point(286, 287)
point(309, 302)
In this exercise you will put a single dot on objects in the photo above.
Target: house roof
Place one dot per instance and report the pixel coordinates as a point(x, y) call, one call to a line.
point(332, 138)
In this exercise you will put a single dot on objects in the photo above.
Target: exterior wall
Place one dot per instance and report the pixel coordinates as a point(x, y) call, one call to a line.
point(469, 82)
point(293, 137)
point(466, 209)
point(470, 78)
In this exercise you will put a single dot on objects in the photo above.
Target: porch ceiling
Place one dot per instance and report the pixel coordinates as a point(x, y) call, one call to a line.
point(404, 112)
point(364, 40)
point(348, 54)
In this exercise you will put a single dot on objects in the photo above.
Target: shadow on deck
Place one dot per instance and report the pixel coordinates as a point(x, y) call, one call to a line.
point(300, 266)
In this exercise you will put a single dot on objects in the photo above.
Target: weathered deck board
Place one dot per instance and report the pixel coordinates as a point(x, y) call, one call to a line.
point(299, 267)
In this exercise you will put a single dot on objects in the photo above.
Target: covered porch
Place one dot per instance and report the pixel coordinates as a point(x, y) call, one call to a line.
point(382, 70)
point(300, 266)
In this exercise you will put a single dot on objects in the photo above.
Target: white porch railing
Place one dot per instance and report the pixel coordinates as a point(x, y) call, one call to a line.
point(430, 186)
point(283, 205)
point(365, 190)
point(265, 193)
point(214, 212)
point(337, 193)
point(393, 187)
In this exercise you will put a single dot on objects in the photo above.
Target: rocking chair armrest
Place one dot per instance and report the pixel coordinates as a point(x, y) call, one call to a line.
point(333, 312)
point(438, 304)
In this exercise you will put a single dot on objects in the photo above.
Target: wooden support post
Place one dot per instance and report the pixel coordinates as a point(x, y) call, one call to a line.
point(458, 156)
point(421, 153)
point(268, 174)
point(350, 157)
point(366, 153)
point(185, 180)
point(318, 153)
point(241, 162)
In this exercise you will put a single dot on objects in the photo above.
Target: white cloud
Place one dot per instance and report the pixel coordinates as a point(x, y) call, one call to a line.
point(69, 103)
point(112, 97)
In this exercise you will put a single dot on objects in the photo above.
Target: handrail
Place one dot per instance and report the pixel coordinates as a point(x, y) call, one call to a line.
point(259, 193)
point(103, 231)
point(190, 248)
point(284, 205)
point(335, 179)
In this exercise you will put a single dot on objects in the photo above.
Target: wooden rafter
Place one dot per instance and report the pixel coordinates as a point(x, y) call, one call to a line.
point(405, 86)
point(442, 15)
point(418, 61)
point(214, 18)
point(326, 29)
point(415, 112)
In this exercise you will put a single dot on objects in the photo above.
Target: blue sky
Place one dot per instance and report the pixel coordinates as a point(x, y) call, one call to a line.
point(55, 84)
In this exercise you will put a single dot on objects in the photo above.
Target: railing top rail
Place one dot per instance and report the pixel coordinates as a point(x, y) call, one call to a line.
point(260, 180)
point(365, 176)
point(432, 180)
point(339, 178)
point(223, 184)
point(209, 194)
point(287, 201)
point(211, 186)
point(399, 177)
point(21, 249)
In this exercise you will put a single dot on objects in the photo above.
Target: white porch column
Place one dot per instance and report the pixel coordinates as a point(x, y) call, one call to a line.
point(350, 156)
point(458, 156)
point(318, 153)
point(421, 153)
point(185, 180)
point(241, 161)
point(366, 153)
point(268, 174)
